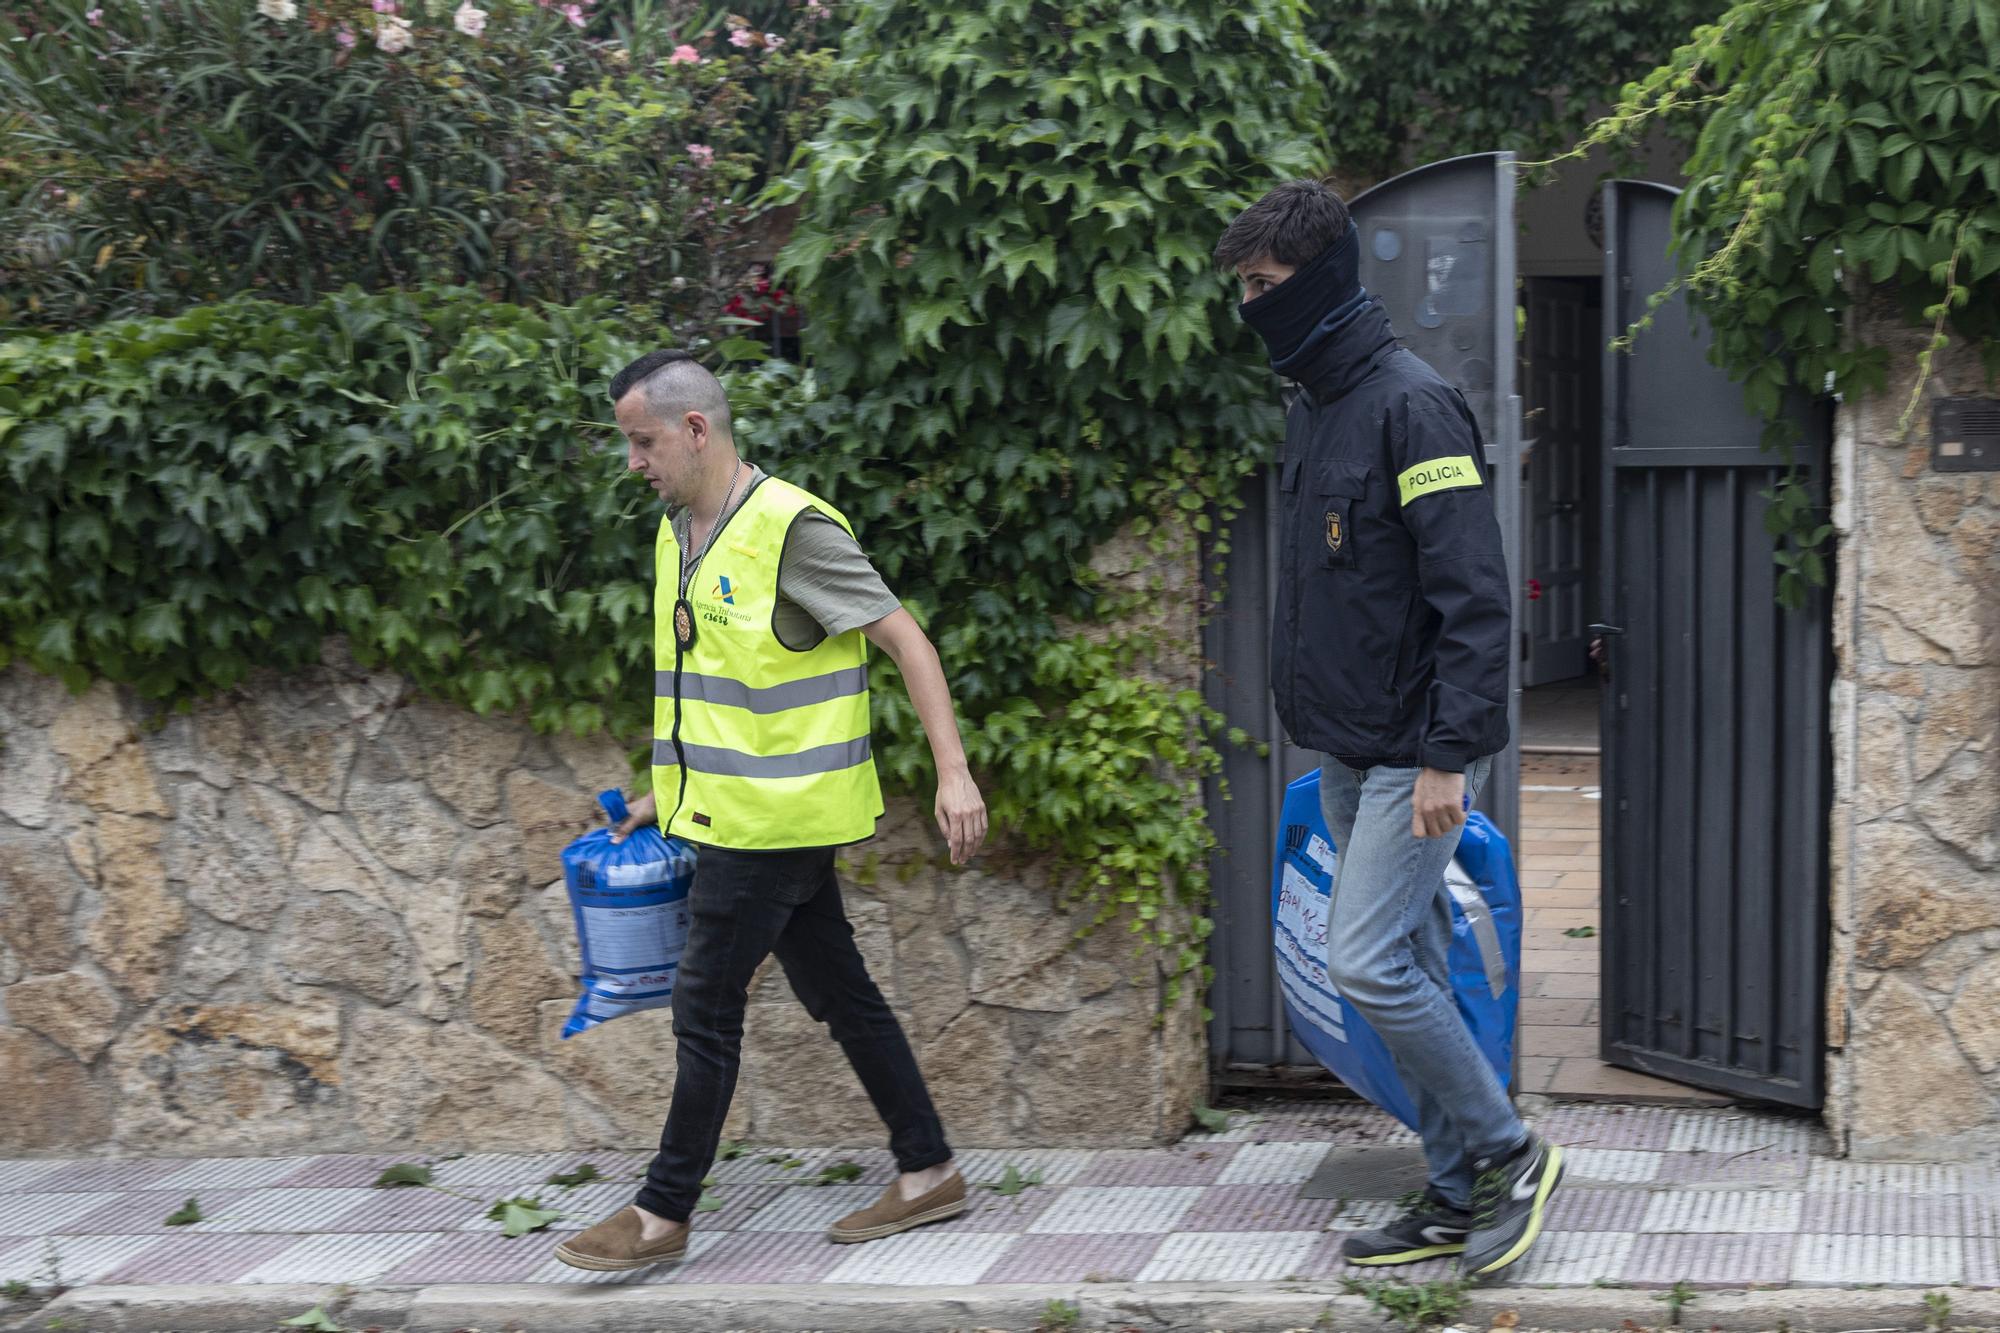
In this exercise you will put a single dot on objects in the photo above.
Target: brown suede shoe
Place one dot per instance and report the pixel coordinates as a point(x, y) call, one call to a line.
point(892, 1213)
point(614, 1246)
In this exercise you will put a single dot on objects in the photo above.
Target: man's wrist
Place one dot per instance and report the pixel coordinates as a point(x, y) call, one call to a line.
point(1445, 761)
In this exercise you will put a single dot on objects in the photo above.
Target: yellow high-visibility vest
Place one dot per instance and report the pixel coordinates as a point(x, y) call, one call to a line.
point(756, 746)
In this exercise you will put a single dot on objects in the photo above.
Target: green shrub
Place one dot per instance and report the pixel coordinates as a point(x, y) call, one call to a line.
point(166, 154)
point(428, 474)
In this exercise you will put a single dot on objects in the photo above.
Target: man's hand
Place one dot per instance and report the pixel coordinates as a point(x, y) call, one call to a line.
point(961, 814)
point(639, 813)
point(1437, 807)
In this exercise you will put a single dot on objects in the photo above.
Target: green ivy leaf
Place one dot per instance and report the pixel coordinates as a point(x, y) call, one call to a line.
point(1014, 1181)
point(186, 1215)
point(1214, 1121)
point(403, 1173)
point(519, 1216)
point(838, 1173)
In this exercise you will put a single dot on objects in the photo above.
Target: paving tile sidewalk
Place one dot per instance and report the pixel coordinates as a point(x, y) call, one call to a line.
point(1655, 1196)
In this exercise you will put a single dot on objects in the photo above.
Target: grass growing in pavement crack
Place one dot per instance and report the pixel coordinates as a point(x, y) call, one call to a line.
point(1058, 1316)
point(1678, 1298)
point(1412, 1305)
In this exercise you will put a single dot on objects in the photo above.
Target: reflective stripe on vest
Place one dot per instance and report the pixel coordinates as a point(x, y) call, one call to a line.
point(757, 747)
point(768, 699)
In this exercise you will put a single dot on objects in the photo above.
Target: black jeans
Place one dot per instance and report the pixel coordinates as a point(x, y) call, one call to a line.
point(743, 906)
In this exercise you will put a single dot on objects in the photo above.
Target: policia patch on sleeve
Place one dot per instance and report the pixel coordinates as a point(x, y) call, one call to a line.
point(1438, 474)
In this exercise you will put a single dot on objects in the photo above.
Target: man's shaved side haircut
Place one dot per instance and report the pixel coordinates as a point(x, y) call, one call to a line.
point(675, 384)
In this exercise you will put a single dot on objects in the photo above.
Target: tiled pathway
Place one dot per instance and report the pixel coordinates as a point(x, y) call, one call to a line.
point(1559, 864)
point(1656, 1195)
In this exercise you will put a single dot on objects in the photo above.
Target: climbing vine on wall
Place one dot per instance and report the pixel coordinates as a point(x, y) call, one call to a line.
point(1840, 145)
point(1022, 346)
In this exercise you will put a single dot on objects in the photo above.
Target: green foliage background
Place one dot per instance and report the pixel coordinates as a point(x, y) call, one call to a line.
point(163, 155)
point(1421, 80)
point(1840, 146)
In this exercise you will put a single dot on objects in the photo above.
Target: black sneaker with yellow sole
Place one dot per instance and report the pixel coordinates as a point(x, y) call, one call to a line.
point(1430, 1229)
point(1509, 1200)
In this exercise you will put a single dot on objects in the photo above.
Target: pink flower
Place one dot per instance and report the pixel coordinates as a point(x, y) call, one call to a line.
point(393, 34)
point(385, 6)
point(345, 37)
point(742, 37)
point(703, 155)
point(772, 40)
point(684, 55)
point(470, 19)
point(815, 9)
point(395, 184)
point(574, 13)
point(95, 18)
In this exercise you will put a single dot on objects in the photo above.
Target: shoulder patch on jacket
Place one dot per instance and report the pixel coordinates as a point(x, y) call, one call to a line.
point(1438, 474)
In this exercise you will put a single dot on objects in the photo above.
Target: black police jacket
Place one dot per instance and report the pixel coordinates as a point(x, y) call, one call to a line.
point(1392, 627)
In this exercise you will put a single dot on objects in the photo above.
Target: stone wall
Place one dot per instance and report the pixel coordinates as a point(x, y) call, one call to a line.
point(325, 913)
point(1914, 982)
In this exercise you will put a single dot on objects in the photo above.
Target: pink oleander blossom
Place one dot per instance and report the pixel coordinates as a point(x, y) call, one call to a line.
point(684, 55)
point(574, 13)
point(742, 37)
point(345, 37)
point(703, 155)
point(94, 17)
point(393, 34)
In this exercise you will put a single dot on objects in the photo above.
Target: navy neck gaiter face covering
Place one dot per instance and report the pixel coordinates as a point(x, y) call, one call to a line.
point(1312, 305)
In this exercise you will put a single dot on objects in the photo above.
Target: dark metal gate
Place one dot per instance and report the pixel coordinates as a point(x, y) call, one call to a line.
point(1437, 245)
point(1716, 715)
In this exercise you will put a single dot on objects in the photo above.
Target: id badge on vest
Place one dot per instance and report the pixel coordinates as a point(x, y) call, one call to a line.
point(684, 630)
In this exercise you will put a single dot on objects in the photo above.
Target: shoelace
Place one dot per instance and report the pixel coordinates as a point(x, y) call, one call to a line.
point(1487, 1192)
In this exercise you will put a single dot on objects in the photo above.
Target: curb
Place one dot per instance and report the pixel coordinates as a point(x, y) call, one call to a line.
point(1164, 1307)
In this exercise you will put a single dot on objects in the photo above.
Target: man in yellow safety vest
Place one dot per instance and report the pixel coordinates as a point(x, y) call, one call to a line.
point(764, 610)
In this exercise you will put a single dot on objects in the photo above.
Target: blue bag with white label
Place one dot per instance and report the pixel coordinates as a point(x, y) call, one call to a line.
point(630, 901)
point(1485, 954)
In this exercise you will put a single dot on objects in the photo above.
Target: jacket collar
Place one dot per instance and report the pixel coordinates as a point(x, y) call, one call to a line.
point(1320, 326)
point(1342, 352)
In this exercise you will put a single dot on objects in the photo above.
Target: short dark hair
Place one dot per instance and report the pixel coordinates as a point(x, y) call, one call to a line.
point(673, 383)
point(1293, 224)
point(629, 378)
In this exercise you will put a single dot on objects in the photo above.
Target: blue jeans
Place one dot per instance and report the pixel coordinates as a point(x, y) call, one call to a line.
point(1388, 936)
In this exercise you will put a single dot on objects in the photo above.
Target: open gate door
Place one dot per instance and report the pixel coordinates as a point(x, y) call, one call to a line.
point(1715, 717)
point(1437, 245)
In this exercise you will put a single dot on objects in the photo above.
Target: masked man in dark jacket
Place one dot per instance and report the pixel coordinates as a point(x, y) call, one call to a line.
point(1389, 656)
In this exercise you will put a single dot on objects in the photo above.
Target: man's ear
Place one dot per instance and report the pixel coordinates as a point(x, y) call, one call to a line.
point(697, 428)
